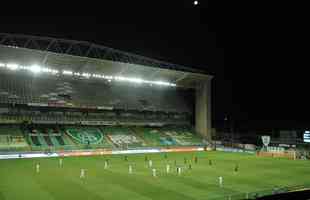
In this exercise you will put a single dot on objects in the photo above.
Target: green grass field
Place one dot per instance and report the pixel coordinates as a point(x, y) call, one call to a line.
point(19, 181)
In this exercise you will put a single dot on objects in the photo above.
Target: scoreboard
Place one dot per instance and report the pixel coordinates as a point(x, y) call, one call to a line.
point(307, 136)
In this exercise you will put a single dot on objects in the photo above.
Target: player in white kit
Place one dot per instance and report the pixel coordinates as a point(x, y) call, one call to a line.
point(168, 168)
point(60, 162)
point(154, 172)
point(130, 169)
point(82, 175)
point(179, 170)
point(150, 163)
point(221, 181)
point(37, 168)
point(105, 165)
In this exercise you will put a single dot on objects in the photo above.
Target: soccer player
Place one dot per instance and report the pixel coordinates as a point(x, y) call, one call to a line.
point(175, 162)
point(154, 172)
point(210, 162)
point(38, 168)
point(221, 181)
point(130, 169)
point(236, 168)
point(185, 160)
point(126, 158)
point(190, 166)
point(146, 159)
point(166, 156)
point(105, 164)
point(82, 174)
point(179, 170)
point(168, 168)
point(196, 160)
point(150, 163)
point(60, 162)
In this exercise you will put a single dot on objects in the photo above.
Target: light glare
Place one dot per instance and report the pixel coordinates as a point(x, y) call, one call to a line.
point(12, 66)
point(38, 69)
point(35, 69)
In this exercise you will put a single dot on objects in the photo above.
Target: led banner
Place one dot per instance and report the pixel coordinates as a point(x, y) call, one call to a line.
point(86, 153)
point(28, 155)
point(105, 108)
point(184, 149)
point(37, 104)
point(97, 123)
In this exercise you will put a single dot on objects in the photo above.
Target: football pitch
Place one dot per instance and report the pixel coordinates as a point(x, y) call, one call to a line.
point(20, 181)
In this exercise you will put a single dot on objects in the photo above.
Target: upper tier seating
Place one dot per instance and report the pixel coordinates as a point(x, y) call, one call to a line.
point(23, 87)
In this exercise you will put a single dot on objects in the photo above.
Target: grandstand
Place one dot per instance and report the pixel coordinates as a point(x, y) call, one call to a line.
point(63, 98)
point(64, 94)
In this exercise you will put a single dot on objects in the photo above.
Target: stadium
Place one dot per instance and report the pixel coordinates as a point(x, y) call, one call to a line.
point(84, 121)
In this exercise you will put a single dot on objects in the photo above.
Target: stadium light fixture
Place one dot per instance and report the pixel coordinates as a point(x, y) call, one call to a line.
point(86, 75)
point(46, 70)
point(12, 66)
point(22, 67)
point(35, 69)
point(66, 72)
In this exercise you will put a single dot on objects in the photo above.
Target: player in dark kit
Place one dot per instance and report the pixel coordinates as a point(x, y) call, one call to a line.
point(236, 168)
point(190, 166)
point(126, 158)
point(196, 159)
point(210, 162)
point(146, 159)
point(185, 160)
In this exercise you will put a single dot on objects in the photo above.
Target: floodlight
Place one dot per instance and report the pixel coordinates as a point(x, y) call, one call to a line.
point(87, 75)
point(35, 69)
point(67, 72)
point(12, 66)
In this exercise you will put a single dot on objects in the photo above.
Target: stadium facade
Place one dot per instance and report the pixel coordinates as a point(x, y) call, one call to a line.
point(56, 78)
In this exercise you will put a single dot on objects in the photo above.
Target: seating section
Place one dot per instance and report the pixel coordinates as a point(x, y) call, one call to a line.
point(35, 140)
point(150, 135)
point(182, 135)
point(87, 135)
point(21, 87)
point(168, 136)
point(122, 136)
point(45, 137)
point(42, 137)
point(12, 138)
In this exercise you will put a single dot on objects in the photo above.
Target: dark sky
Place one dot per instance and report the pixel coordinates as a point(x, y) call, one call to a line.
point(253, 49)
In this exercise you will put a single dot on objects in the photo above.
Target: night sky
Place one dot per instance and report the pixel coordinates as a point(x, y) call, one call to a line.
point(253, 49)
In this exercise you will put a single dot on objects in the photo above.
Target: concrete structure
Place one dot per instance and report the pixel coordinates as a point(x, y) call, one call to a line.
point(203, 109)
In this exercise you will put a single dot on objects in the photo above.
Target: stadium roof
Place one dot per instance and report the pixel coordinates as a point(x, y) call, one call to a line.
point(81, 56)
